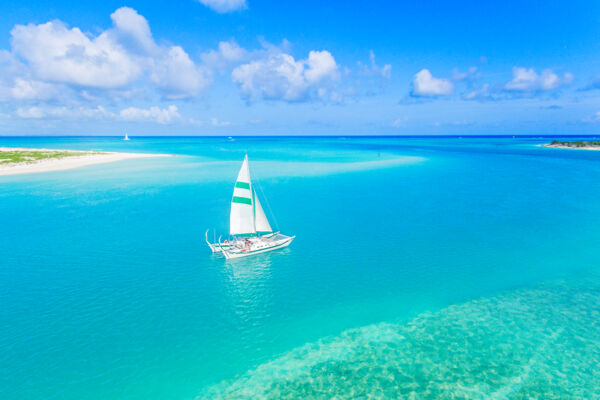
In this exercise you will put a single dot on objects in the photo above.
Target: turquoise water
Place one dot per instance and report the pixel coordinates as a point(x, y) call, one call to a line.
point(422, 268)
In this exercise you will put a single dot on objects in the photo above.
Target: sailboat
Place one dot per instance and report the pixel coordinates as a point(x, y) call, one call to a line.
point(248, 224)
point(126, 136)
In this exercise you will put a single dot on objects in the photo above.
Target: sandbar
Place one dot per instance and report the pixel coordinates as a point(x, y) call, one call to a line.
point(82, 159)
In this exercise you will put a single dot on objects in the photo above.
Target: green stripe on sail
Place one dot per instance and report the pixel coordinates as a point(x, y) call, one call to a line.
point(245, 234)
point(242, 185)
point(263, 232)
point(242, 200)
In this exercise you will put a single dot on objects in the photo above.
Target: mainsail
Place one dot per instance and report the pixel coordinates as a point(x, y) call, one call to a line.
point(241, 219)
point(247, 217)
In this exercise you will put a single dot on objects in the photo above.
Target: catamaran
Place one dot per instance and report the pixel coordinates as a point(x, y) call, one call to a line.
point(126, 136)
point(248, 224)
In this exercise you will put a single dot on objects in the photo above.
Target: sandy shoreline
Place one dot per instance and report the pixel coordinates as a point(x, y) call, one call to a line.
point(71, 162)
point(560, 146)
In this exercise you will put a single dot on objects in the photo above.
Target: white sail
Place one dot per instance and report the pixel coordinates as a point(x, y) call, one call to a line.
point(241, 219)
point(260, 219)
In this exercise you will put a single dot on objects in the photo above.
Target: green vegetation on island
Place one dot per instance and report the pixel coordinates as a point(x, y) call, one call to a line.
point(576, 143)
point(28, 156)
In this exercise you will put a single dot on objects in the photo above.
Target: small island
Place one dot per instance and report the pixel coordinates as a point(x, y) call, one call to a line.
point(575, 144)
point(15, 161)
point(18, 156)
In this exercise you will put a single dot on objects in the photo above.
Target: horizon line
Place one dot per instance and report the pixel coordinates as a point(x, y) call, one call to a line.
point(508, 136)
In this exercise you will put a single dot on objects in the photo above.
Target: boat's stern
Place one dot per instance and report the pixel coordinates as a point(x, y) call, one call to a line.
point(217, 247)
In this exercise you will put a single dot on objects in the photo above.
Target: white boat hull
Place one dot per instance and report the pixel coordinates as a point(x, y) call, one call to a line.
point(247, 247)
point(234, 252)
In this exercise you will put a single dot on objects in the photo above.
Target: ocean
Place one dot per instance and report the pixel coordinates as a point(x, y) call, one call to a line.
point(423, 267)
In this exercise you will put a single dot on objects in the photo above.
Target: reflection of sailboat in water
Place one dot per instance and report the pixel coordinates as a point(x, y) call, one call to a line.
point(248, 224)
point(247, 287)
point(249, 273)
point(126, 136)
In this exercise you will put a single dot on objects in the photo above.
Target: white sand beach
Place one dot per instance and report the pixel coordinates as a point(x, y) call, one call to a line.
point(65, 163)
point(560, 146)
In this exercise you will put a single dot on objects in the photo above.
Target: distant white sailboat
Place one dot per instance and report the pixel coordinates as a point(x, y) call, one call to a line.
point(126, 136)
point(248, 224)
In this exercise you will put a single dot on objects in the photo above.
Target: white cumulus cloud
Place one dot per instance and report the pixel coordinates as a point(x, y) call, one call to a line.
point(177, 75)
point(217, 123)
point(152, 114)
point(63, 112)
point(59, 54)
point(528, 80)
point(320, 66)
point(114, 59)
point(227, 54)
point(31, 112)
point(459, 76)
point(479, 93)
point(425, 84)
point(278, 76)
point(224, 6)
point(25, 89)
point(132, 30)
point(375, 70)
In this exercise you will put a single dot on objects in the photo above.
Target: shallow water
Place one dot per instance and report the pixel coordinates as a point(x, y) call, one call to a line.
point(541, 342)
point(422, 268)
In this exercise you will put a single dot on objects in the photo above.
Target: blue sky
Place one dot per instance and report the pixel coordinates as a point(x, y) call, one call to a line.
point(233, 67)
